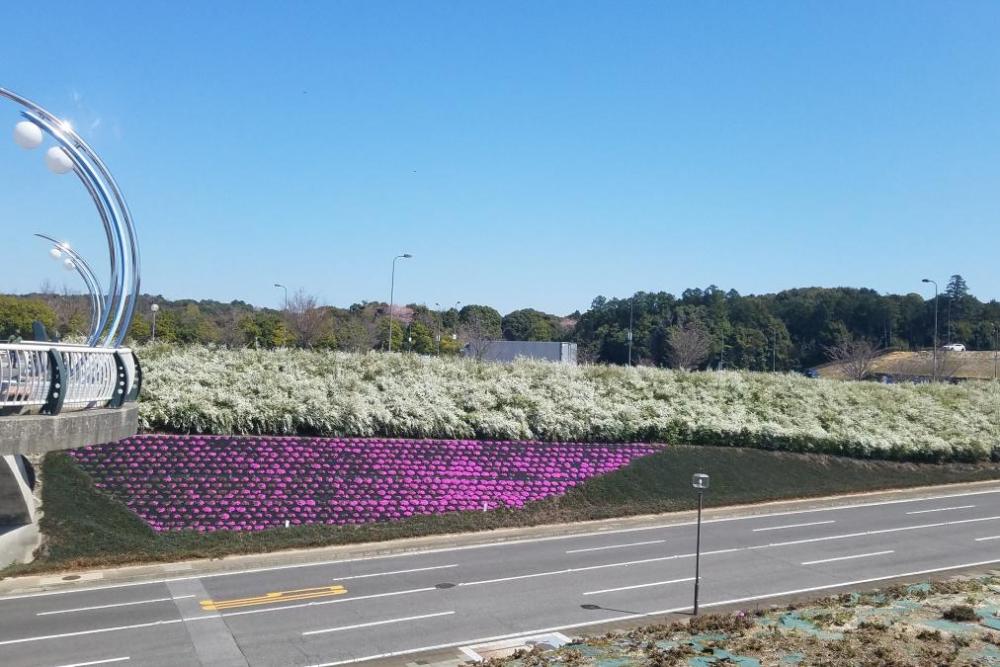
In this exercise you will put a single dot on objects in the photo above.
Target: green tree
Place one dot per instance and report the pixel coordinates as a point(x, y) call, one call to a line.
point(18, 314)
point(527, 324)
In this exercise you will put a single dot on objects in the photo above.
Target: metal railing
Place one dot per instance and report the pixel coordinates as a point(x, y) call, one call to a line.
point(50, 378)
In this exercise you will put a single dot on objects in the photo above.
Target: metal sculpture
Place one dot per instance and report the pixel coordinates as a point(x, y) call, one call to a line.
point(72, 153)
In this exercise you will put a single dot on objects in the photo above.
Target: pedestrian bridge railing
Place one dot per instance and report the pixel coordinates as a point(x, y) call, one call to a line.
point(49, 378)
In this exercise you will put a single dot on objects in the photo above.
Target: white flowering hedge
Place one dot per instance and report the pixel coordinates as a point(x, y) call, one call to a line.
point(197, 389)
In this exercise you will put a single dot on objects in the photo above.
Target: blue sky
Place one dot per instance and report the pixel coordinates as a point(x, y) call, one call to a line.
point(527, 153)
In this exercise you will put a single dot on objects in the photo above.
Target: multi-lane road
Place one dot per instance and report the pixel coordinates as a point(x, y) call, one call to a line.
point(377, 608)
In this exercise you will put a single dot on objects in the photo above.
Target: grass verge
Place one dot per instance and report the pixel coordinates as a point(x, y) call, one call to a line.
point(85, 527)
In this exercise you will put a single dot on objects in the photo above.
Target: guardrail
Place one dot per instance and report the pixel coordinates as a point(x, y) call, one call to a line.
point(49, 378)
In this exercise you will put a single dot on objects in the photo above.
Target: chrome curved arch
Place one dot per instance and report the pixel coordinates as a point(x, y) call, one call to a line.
point(115, 318)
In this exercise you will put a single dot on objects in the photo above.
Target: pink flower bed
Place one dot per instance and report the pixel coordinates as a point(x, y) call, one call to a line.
point(209, 483)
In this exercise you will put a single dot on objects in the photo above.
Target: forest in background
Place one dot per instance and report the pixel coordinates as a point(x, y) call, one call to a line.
point(701, 328)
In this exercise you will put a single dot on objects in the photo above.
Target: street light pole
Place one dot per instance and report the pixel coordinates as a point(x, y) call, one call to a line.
point(996, 345)
point(699, 482)
point(392, 290)
point(934, 372)
point(631, 303)
point(286, 293)
point(155, 308)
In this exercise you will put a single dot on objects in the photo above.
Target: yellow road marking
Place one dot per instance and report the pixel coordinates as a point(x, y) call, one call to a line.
point(269, 598)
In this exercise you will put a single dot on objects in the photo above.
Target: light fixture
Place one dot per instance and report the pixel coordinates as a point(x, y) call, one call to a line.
point(58, 161)
point(27, 135)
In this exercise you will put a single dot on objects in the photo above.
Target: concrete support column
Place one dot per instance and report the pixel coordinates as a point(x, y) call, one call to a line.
point(19, 512)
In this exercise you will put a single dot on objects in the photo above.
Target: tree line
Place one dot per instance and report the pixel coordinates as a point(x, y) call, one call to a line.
point(702, 328)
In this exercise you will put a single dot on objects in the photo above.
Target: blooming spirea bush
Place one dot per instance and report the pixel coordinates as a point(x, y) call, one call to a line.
point(209, 483)
point(206, 390)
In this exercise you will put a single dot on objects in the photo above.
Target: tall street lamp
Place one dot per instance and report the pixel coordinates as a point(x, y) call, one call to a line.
point(392, 291)
point(155, 308)
point(631, 303)
point(699, 481)
point(286, 293)
point(996, 345)
point(935, 354)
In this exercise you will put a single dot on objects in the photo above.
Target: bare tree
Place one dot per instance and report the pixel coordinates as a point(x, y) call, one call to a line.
point(476, 335)
point(689, 345)
point(310, 322)
point(856, 358)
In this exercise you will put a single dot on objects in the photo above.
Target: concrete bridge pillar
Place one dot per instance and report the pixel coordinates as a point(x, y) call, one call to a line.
point(19, 511)
point(24, 440)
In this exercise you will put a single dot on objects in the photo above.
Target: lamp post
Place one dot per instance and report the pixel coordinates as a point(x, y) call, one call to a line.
point(155, 308)
point(699, 481)
point(996, 346)
point(286, 293)
point(631, 303)
point(774, 350)
point(934, 372)
point(392, 291)
point(74, 261)
point(72, 154)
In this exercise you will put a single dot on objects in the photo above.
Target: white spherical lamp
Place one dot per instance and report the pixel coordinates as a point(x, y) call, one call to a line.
point(69, 265)
point(58, 161)
point(27, 135)
point(55, 253)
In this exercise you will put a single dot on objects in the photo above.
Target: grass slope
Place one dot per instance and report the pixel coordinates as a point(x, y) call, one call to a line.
point(85, 527)
point(273, 392)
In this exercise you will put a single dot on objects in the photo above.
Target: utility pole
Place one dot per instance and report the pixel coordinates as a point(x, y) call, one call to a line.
point(934, 372)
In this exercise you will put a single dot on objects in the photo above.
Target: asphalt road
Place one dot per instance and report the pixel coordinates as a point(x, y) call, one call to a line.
point(396, 606)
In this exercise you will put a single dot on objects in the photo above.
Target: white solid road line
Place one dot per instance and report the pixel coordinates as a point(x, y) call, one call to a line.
point(794, 525)
point(97, 631)
point(881, 531)
point(629, 588)
point(660, 612)
point(832, 560)
point(943, 509)
point(986, 539)
point(97, 662)
point(374, 623)
point(615, 546)
point(488, 545)
point(111, 606)
point(386, 574)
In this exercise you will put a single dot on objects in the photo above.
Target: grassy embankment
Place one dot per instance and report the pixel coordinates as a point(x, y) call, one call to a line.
point(85, 527)
point(276, 392)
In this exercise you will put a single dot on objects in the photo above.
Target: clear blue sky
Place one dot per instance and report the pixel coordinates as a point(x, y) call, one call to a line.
point(527, 153)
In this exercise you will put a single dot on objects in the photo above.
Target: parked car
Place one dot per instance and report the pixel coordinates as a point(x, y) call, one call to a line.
point(953, 347)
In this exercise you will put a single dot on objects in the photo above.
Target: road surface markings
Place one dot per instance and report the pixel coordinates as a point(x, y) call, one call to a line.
point(881, 531)
point(794, 525)
point(463, 642)
point(831, 560)
point(386, 574)
point(943, 509)
point(986, 539)
point(110, 606)
point(629, 588)
point(374, 623)
point(319, 603)
point(659, 612)
point(615, 546)
point(488, 545)
point(271, 598)
point(97, 662)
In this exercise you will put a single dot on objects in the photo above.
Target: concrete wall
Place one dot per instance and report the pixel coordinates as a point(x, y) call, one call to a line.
point(38, 434)
point(31, 436)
